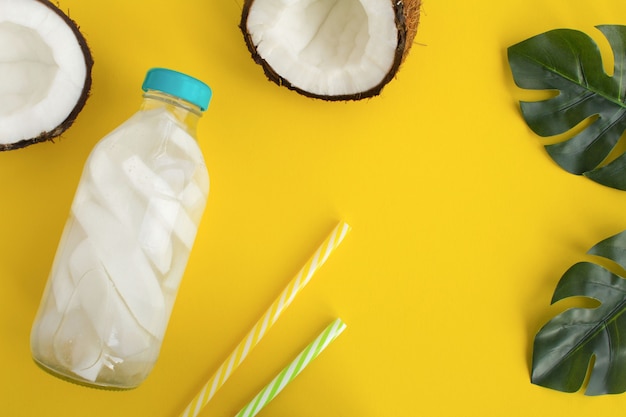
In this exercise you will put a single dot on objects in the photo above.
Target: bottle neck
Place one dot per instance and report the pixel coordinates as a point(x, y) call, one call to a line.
point(186, 113)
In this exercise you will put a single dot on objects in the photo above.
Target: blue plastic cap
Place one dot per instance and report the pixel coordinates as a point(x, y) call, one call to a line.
point(178, 84)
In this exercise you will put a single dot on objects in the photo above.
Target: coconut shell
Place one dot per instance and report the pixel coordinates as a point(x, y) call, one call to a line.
point(407, 18)
point(71, 117)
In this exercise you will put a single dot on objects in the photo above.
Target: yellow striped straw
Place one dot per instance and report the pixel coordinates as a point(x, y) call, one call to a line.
point(267, 320)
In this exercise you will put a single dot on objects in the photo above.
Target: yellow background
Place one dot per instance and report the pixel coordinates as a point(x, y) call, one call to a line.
point(462, 225)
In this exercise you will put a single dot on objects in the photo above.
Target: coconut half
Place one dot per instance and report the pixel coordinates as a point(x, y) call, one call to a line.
point(45, 72)
point(330, 49)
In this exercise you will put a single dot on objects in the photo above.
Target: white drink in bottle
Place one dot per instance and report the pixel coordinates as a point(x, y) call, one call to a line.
point(127, 240)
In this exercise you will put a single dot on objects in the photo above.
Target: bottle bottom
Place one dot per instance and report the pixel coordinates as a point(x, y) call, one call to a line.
point(75, 379)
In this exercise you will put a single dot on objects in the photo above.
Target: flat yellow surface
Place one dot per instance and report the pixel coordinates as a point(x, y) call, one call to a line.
point(462, 225)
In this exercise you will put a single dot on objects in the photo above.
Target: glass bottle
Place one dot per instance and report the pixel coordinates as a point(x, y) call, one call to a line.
point(126, 242)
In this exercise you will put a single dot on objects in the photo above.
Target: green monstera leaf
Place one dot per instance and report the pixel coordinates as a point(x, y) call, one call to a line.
point(569, 62)
point(566, 346)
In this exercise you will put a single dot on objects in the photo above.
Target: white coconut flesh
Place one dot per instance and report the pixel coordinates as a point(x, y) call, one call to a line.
point(326, 47)
point(43, 71)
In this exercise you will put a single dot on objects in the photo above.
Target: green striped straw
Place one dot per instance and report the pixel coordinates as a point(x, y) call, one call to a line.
point(288, 374)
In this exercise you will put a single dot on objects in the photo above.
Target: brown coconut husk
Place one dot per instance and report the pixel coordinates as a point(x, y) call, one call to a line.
point(407, 14)
point(71, 117)
point(411, 11)
point(407, 21)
